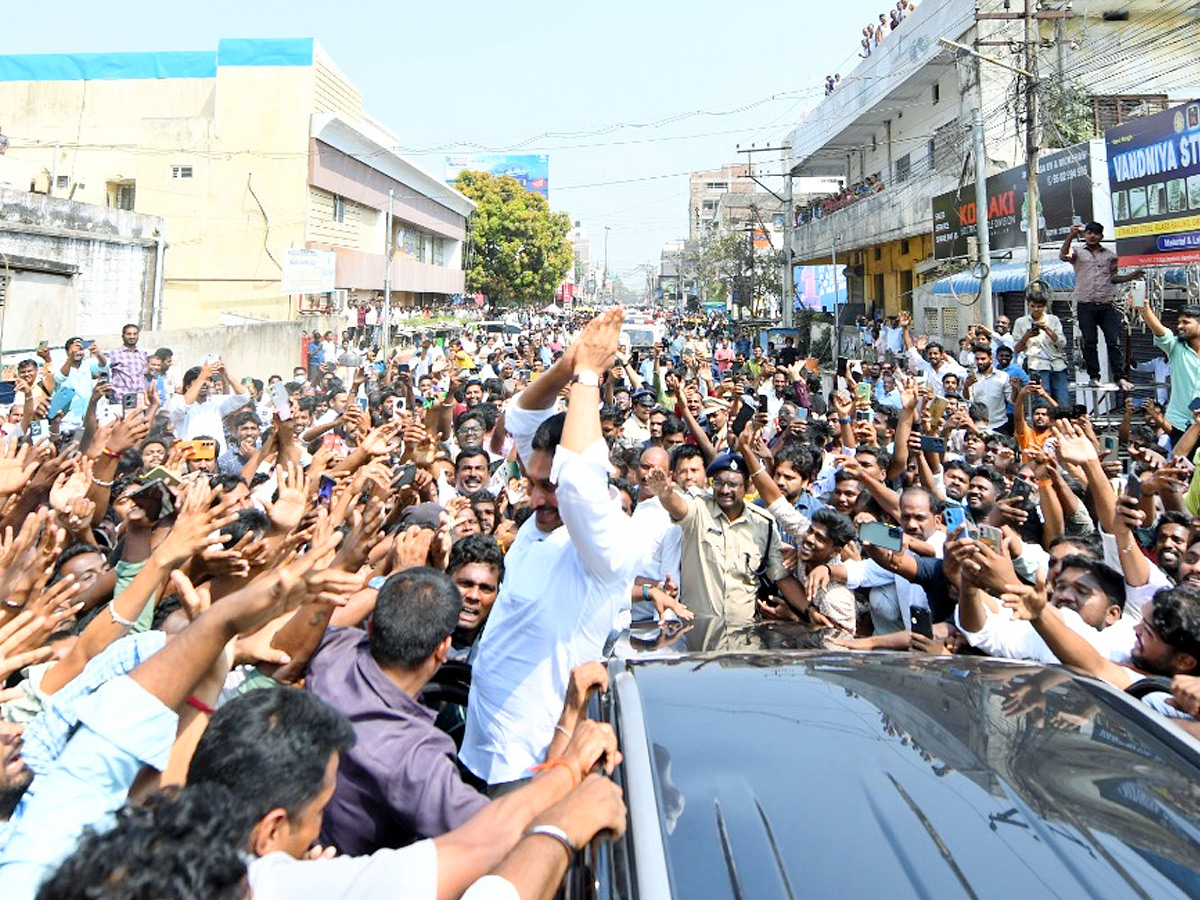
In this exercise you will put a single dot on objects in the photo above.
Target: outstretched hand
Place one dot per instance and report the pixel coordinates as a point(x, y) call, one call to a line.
point(596, 346)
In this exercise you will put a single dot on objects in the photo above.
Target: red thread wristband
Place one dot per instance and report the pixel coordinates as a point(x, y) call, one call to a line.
point(196, 703)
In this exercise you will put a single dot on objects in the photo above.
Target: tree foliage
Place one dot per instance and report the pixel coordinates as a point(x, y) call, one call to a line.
point(725, 268)
point(520, 250)
point(1065, 110)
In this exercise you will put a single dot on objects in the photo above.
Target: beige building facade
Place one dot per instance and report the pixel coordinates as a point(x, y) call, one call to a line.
point(258, 148)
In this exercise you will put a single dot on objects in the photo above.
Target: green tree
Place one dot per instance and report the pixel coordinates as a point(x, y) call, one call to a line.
point(519, 251)
point(724, 266)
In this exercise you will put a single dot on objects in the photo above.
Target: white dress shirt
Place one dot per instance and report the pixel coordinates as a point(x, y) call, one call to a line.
point(555, 610)
point(207, 418)
point(660, 539)
point(1008, 638)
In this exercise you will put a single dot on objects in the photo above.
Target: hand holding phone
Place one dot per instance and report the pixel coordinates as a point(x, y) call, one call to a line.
point(882, 535)
point(921, 621)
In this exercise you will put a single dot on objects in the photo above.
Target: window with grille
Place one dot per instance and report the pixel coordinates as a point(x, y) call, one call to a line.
point(947, 147)
point(339, 208)
point(181, 171)
point(125, 195)
point(931, 320)
point(3, 291)
point(1114, 109)
point(950, 325)
point(903, 167)
point(62, 182)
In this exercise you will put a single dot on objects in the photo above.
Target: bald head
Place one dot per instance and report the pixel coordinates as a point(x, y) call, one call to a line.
point(652, 458)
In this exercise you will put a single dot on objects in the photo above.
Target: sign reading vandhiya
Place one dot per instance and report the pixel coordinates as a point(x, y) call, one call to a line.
point(1154, 176)
point(1065, 188)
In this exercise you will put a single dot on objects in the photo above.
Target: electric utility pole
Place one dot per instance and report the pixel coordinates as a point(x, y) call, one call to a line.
point(787, 286)
point(1031, 143)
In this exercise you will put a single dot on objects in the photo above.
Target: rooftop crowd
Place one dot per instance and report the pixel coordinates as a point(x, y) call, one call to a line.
point(222, 598)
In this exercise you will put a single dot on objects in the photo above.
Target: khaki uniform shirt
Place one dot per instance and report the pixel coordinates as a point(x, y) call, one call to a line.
point(720, 558)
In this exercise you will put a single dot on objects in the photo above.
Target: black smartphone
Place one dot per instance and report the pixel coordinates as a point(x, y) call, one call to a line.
point(1194, 405)
point(1133, 486)
point(931, 444)
point(8, 391)
point(920, 621)
point(154, 499)
point(864, 415)
point(745, 414)
point(1021, 489)
point(763, 399)
point(407, 473)
point(325, 490)
point(403, 368)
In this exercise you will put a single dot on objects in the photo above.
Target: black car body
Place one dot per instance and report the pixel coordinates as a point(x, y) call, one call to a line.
point(787, 774)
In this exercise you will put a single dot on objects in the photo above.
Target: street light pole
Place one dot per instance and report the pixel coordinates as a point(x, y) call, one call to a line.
point(604, 280)
point(386, 331)
point(787, 292)
point(982, 235)
point(1031, 144)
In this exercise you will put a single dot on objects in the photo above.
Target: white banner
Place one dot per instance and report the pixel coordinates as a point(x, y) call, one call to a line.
point(309, 271)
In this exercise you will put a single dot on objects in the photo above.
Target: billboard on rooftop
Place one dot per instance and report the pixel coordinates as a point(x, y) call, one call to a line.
point(532, 171)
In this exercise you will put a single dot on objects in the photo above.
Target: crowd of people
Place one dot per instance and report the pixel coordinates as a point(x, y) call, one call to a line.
point(823, 206)
point(222, 599)
point(874, 33)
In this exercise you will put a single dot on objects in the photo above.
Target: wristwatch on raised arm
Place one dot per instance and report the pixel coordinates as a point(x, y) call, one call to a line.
point(588, 377)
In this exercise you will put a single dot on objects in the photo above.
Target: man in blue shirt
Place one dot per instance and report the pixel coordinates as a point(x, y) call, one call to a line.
point(1005, 364)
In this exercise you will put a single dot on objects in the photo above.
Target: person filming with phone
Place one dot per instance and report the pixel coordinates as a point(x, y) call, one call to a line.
point(1039, 336)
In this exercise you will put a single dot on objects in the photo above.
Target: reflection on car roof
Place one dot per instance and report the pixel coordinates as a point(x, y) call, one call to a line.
point(852, 775)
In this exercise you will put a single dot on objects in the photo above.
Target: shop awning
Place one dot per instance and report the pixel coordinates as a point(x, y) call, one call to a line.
point(1010, 277)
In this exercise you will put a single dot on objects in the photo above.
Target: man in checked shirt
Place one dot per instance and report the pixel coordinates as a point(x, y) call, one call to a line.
point(128, 363)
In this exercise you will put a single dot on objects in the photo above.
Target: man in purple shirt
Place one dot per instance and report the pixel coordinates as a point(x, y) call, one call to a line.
point(400, 782)
point(128, 363)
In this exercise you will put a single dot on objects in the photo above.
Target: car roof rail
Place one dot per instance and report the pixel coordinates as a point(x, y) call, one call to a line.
point(649, 851)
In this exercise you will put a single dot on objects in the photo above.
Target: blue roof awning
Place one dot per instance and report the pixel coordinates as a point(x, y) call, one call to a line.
point(1009, 277)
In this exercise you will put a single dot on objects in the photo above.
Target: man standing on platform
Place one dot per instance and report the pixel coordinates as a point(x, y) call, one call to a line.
point(1095, 274)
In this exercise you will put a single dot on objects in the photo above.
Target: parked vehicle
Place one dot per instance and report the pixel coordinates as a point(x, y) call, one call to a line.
point(784, 774)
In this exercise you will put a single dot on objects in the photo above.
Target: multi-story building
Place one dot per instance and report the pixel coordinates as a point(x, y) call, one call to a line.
point(896, 131)
point(706, 190)
point(246, 152)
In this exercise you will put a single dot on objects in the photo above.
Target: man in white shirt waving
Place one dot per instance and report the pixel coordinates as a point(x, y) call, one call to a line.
point(570, 568)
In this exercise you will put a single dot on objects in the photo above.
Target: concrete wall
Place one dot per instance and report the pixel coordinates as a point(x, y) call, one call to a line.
point(73, 267)
point(257, 349)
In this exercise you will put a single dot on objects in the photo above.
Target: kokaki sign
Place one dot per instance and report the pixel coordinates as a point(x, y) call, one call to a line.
point(1065, 188)
point(1003, 205)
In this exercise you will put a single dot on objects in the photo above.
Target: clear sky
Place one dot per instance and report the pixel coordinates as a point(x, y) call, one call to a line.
point(626, 97)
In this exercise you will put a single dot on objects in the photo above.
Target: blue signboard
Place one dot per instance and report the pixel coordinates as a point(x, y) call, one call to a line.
point(532, 171)
point(1154, 176)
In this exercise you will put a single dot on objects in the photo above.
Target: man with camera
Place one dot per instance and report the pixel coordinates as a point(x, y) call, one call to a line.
point(1039, 336)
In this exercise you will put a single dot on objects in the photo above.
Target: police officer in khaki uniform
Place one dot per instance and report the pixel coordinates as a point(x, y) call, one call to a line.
point(727, 544)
